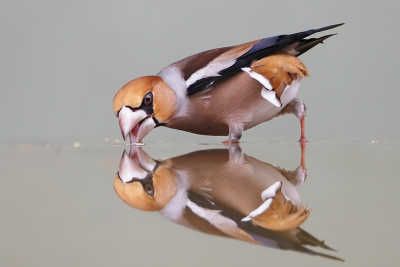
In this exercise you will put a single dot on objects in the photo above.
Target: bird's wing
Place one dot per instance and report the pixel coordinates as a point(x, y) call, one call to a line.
point(206, 68)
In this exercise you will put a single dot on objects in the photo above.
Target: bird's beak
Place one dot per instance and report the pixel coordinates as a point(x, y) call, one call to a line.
point(135, 123)
point(144, 128)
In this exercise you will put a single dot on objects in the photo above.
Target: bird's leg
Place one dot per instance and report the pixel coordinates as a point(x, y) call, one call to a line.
point(303, 155)
point(298, 108)
point(235, 153)
point(302, 126)
point(235, 133)
point(296, 177)
point(299, 175)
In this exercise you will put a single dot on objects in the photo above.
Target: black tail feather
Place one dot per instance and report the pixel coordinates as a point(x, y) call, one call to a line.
point(307, 44)
point(328, 27)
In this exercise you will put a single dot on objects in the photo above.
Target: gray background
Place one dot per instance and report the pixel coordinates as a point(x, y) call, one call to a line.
point(63, 61)
point(58, 208)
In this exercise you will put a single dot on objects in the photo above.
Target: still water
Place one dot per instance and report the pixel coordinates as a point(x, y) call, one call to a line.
point(104, 203)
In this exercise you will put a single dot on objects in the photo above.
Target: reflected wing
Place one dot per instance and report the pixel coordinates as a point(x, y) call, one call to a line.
point(205, 216)
point(281, 215)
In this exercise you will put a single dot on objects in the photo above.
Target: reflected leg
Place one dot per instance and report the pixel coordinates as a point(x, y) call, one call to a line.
point(299, 175)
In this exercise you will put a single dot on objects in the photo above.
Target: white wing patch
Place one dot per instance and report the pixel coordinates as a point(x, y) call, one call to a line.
point(264, 81)
point(213, 216)
point(271, 97)
point(264, 206)
point(211, 70)
point(267, 196)
point(267, 92)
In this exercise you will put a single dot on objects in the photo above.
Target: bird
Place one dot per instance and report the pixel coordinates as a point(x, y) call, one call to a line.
point(220, 92)
point(228, 177)
point(222, 192)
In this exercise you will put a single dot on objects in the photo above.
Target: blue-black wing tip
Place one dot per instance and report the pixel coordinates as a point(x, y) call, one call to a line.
point(328, 27)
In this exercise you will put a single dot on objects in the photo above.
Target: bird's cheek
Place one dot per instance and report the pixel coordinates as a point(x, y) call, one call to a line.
point(164, 181)
point(133, 195)
point(164, 102)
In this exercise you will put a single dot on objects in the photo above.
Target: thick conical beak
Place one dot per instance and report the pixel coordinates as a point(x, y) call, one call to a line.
point(128, 119)
point(141, 130)
point(145, 127)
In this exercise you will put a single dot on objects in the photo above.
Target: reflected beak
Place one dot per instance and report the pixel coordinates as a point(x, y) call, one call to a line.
point(128, 170)
point(142, 159)
point(136, 124)
point(145, 160)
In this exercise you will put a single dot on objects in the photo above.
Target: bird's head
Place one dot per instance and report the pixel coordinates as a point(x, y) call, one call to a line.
point(142, 104)
point(147, 187)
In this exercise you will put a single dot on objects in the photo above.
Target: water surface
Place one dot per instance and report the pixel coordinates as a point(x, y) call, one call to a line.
point(59, 207)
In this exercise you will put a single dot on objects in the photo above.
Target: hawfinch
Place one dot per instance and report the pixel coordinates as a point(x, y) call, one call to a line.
point(220, 92)
point(221, 192)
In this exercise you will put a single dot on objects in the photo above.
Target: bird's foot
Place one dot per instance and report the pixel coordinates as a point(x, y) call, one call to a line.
point(299, 176)
point(231, 141)
point(303, 139)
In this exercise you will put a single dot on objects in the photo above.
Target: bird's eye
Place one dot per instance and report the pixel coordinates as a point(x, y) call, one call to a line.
point(148, 98)
point(149, 189)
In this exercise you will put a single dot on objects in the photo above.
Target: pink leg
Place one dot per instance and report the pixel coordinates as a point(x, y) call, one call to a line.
point(302, 125)
point(303, 154)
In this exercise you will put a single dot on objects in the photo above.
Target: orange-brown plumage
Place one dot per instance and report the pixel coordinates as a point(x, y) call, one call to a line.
point(131, 94)
point(133, 194)
point(282, 215)
point(280, 69)
point(164, 101)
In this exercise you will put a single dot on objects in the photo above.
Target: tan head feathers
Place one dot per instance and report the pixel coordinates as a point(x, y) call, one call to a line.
point(132, 94)
point(134, 194)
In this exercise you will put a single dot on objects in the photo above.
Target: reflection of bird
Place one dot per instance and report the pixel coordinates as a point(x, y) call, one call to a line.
point(221, 192)
point(223, 91)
